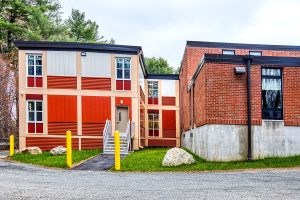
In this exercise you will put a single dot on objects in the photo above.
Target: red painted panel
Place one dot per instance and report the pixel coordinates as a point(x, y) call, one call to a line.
point(38, 82)
point(60, 128)
point(169, 123)
point(48, 143)
point(153, 111)
point(153, 100)
point(30, 81)
point(39, 127)
point(169, 101)
point(34, 97)
point(88, 83)
point(62, 108)
point(96, 109)
point(92, 129)
point(161, 143)
point(31, 127)
point(119, 84)
point(127, 85)
point(126, 102)
point(154, 133)
point(91, 143)
point(62, 82)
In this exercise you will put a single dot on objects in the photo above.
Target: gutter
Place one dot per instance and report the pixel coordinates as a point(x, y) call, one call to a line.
point(248, 60)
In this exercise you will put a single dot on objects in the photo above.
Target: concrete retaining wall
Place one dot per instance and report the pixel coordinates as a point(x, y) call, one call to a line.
point(229, 142)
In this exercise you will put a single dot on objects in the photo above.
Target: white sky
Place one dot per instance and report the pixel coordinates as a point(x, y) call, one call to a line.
point(162, 27)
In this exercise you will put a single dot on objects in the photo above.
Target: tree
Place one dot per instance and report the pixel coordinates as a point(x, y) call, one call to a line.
point(83, 30)
point(158, 66)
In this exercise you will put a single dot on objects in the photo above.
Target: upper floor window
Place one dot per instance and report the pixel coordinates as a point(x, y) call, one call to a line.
point(272, 94)
point(34, 65)
point(152, 88)
point(228, 52)
point(123, 68)
point(255, 53)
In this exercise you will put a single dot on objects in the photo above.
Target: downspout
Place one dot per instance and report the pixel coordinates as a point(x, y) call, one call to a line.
point(248, 60)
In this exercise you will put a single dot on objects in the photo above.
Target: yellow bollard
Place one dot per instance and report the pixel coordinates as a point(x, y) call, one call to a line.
point(117, 151)
point(11, 145)
point(69, 149)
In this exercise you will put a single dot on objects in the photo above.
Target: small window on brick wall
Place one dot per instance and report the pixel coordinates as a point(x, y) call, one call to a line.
point(228, 52)
point(34, 70)
point(272, 101)
point(35, 116)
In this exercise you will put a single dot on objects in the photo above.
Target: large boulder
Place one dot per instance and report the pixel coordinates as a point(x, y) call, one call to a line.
point(32, 150)
point(176, 157)
point(58, 150)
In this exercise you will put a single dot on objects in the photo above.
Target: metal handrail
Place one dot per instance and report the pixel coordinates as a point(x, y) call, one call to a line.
point(4, 143)
point(106, 132)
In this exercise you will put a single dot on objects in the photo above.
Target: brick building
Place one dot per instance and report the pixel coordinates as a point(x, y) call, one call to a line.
point(228, 91)
point(93, 90)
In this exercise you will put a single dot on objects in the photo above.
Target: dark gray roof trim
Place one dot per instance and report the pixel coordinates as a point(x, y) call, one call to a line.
point(241, 59)
point(163, 76)
point(242, 46)
point(76, 46)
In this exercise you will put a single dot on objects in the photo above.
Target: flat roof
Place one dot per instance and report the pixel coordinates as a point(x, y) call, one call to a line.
point(242, 46)
point(163, 76)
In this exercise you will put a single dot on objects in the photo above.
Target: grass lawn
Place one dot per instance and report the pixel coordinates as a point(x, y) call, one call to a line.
point(151, 159)
point(46, 159)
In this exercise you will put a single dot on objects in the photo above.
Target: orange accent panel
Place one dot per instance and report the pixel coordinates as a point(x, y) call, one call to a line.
point(169, 101)
point(92, 129)
point(47, 143)
point(62, 108)
point(62, 82)
point(89, 143)
point(126, 102)
point(161, 143)
point(60, 128)
point(96, 109)
point(88, 83)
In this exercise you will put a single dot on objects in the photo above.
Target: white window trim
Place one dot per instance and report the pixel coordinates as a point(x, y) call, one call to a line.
point(35, 111)
point(34, 65)
point(123, 68)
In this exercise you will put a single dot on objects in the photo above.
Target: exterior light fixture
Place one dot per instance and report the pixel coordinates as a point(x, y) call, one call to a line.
point(240, 70)
point(83, 53)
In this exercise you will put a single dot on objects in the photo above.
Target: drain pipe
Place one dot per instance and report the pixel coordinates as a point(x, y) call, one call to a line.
point(248, 60)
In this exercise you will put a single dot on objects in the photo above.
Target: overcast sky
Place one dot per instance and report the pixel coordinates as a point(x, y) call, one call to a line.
point(162, 27)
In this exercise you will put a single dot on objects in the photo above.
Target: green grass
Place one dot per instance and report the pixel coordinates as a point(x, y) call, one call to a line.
point(151, 159)
point(46, 159)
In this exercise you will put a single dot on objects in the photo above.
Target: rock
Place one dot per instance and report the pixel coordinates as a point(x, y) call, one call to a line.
point(176, 157)
point(32, 150)
point(58, 150)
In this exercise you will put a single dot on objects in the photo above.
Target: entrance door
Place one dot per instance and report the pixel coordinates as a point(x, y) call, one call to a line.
point(122, 118)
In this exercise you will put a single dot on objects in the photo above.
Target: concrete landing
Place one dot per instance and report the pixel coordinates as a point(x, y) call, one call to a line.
point(101, 162)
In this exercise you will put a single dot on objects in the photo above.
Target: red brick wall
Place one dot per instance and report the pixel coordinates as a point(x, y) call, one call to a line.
point(221, 96)
point(291, 96)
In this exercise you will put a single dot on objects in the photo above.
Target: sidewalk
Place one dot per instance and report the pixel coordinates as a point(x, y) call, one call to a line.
point(4, 154)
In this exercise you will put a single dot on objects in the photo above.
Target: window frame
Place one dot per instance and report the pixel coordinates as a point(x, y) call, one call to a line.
point(153, 122)
point(123, 68)
point(34, 65)
point(35, 111)
point(255, 52)
point(152, 89)
point(231, 50)
point(272, 77)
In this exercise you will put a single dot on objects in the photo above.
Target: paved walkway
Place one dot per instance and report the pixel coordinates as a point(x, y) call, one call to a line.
point(4, 154)
point(98, 163)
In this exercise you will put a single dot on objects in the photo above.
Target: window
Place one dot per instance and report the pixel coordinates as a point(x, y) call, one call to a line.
point(34, 65)
point(255, 53)
point(228, 52)
point(35, 111)
point(153, 124)
point(123, 68)
point(272, 94)
point(152, 88)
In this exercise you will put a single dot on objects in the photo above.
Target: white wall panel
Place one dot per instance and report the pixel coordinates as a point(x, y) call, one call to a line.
point(141, 78)
point(168, 88)
point(61, 63)
point(96, 65)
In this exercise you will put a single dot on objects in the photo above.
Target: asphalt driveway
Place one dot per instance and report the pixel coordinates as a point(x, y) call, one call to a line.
point(19, 181)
